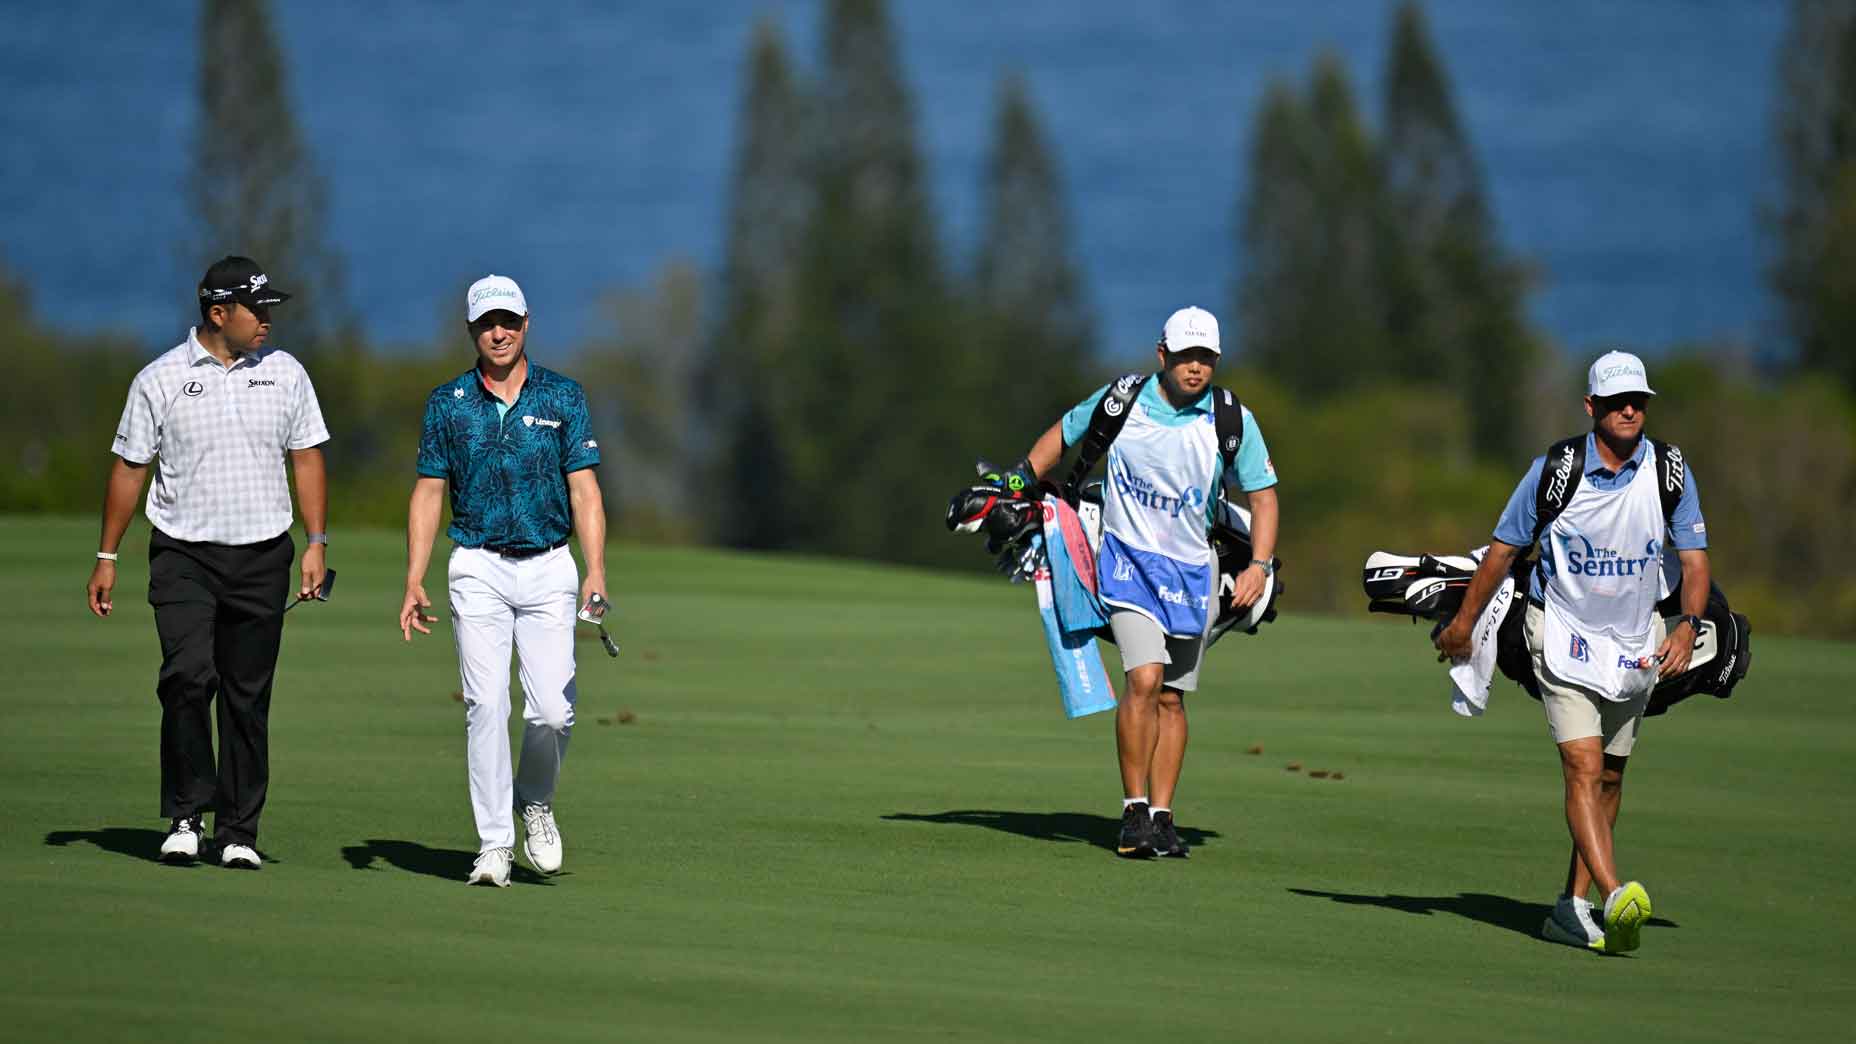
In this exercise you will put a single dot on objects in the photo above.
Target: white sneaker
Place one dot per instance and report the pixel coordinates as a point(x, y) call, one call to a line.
point(182, 845)
point(492, 868)
point(1571, 923)
point(542, 843)
point(240, 857)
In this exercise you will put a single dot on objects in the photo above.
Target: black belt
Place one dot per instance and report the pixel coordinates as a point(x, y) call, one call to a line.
point(522, 552)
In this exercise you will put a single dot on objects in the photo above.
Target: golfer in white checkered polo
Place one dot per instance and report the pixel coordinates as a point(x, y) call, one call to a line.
point(218, 414)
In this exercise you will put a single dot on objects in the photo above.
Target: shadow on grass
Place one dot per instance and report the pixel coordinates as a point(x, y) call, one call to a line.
point(1498, 910)
point(1100, 831)
point(452, 864)
point(135, 842)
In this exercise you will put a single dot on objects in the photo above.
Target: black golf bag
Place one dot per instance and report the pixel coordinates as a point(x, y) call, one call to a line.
point(1431, 587)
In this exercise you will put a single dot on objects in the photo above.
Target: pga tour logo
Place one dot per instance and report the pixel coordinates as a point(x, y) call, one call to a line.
point(1580, 650)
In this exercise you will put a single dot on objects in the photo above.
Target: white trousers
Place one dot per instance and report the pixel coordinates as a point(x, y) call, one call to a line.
point(495, 600)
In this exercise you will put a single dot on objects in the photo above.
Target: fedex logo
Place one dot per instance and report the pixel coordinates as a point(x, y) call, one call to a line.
point(1636, 663)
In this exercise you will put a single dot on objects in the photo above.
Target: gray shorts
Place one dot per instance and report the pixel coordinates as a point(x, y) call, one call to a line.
point(1143, 642)
point(1574, 712)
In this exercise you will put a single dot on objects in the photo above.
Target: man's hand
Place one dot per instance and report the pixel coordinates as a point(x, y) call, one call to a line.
point(102, 582)
point(1453, 641)
point(1676, 651)
point(1249, 587)
point(413, 616)
point(595, 583)
point(315, 565)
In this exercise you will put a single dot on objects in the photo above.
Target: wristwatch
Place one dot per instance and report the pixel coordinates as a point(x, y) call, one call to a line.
point(1694, 622)
point(319, 538)
point(1269, 568)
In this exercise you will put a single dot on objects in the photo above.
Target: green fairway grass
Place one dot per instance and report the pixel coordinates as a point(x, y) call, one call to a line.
point(845, 805)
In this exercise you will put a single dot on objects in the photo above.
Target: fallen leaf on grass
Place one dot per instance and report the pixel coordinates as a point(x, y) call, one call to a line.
point(458, 696)
point(627, 717)
point(1318, 774)
point(1258, 749)
point(1293, 766)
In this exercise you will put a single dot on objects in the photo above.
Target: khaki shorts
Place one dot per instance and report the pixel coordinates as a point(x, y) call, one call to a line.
point(1143, 642)
point(1575, 712)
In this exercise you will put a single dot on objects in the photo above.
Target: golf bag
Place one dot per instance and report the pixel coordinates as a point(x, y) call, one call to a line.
point(1010, 518)
point(1431, 587)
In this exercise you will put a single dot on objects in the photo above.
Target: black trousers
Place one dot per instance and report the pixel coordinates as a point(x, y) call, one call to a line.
point(219, 612)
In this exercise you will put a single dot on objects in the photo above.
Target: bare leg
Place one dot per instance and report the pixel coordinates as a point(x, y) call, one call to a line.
point(1170, 748)
point(1137, 728)
point(1582, 762)
point(1610, 797)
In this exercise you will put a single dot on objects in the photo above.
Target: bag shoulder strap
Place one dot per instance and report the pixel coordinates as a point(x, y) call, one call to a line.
point(1105, 422)
point(1672, 476)
point(1560, 475)
point(1111, 413)
point(1228, 413)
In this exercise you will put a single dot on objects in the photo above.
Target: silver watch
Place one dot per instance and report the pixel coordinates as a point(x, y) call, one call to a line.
point(319, 538)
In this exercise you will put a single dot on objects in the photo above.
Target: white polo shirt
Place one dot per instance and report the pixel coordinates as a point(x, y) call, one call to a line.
point(220, 434)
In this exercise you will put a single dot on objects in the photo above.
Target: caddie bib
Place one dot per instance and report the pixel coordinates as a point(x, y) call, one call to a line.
point(1155, 557)
point(1601, 591)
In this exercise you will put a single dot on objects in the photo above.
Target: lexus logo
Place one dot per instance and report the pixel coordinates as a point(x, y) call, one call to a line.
point(193, 389)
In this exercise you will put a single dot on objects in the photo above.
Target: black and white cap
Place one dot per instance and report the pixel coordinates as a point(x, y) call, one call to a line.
point(239, 279)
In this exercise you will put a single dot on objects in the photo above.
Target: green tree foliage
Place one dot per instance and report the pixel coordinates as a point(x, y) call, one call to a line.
point(1815, 224)
point(875, 315)
point(1033, 329)
point(1374, 259)
point(1454, 301)
point(1309, 303)
point(254, 187)
point(754, 345)
point(641, 386)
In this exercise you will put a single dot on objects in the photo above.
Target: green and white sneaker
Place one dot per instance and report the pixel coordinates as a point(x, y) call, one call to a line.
point(1571, 923)
point(1626, 910)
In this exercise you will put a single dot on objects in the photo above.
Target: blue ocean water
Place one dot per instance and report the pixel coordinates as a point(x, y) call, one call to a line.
point(580, 146)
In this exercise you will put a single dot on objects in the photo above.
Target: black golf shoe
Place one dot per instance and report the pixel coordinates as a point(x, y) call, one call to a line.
point(1137, 833)
point(1166, 839)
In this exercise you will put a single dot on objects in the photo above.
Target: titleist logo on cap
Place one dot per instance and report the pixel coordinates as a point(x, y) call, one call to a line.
point(487, 293)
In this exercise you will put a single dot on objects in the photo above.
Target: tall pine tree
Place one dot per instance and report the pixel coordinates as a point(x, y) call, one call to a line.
point(1454, 301)
point(870, 412)
point(255, 189)
point(1034, 329)
point(754, 348)
point(1815, 223)
point(1308, 296)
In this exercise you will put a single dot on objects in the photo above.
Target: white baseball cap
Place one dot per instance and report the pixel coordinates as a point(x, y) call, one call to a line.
point(491, 293)
point(1617, 373)
point(1190, 327)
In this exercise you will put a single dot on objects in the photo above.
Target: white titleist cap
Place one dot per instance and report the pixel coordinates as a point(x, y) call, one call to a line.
point(491, 293)
point(1190, 327)
point(1616, 373)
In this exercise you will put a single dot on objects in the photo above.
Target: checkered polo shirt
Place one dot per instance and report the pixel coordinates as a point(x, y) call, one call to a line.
point(220, 434)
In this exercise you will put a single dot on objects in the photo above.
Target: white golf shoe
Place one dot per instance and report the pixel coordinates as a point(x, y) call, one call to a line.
point(492, 868)
point(182, 845)
point(1571, 923)
point(240, 857)
point(542, 839)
